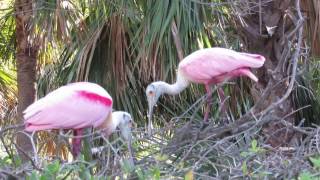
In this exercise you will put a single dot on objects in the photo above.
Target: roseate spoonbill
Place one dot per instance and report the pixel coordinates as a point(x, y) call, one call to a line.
point(206, 66)
point(77, 106)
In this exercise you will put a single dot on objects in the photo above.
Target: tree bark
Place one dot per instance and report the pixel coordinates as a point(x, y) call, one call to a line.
point(265, 30)
point(312, 11)
point(26, 56)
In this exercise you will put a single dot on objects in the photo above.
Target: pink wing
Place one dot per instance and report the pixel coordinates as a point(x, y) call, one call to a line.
point(204, 65)
point(73, 106)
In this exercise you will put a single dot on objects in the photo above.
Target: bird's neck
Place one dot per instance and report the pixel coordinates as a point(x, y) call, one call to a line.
point(177, 87)
point(109, 125)
point(116, 121)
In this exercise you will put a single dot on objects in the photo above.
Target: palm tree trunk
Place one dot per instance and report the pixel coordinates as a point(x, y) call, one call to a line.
point(265, 30)
point(26, 55)
point(312, 11)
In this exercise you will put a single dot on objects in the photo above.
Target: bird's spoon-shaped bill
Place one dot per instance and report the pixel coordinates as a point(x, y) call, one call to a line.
point(150, 126)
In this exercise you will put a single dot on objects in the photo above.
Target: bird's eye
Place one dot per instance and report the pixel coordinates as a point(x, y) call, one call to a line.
point(130, 123)
point(150, 93)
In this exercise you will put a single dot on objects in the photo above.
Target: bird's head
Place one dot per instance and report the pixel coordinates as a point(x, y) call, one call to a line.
point(153, 92)
point(125, 123)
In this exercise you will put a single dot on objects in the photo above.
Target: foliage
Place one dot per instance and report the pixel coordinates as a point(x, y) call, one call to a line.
point(8, 84)
point(306, 174)
point(243, 155)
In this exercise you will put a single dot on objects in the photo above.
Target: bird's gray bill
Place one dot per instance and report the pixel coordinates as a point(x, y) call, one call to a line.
point(131, 160)
point(150, 126)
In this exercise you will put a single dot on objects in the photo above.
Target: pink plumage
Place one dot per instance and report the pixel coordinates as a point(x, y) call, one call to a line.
point(74, 106)
point(214, 65)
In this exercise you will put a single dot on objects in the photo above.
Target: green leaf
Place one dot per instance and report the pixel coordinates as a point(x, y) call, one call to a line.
point(126, 166)
point(33, 176)
point(161, 157)
point(18, 160)
point(44, 177)
point(254, 144)
point(305, 176)
point(189, 175)
point(255, 148)
point(54, 167)
point(85, 174)
point(5, 161)
point(140, 174)
point(315, 162)
point(244, 168)
point(244, 154)
point(156, 173)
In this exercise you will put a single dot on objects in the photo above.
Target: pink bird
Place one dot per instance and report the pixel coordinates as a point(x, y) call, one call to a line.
point(77, 106)
point(205, 66)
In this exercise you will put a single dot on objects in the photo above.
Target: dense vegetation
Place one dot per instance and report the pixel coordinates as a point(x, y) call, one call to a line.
point(269, 130)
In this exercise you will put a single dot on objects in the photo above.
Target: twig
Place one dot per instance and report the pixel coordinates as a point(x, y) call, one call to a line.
point(2, 130)
point(7, 150)
point(69, 172)
point(27, 155)
point(8, 173)
point(33, 145)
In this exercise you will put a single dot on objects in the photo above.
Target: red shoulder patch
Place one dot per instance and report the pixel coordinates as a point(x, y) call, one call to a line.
point(95, 97)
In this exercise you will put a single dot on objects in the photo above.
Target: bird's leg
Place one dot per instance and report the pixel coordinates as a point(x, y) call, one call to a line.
point(59, 142)
point(76, 143)
point(222, 98)
point(208, 106)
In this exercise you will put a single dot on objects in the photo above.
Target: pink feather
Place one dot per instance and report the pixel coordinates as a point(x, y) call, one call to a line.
point(213, 65)
point(74, 106)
